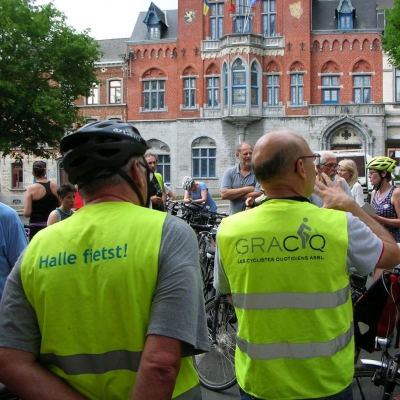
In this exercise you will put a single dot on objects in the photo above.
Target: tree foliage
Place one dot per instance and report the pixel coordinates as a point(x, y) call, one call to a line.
point(391, 37)
point(45, 65)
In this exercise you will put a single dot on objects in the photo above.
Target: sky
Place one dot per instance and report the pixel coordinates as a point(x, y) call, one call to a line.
point(107, 19)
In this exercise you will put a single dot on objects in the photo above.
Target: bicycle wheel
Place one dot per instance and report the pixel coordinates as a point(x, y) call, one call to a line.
point(204, 243)
point(369, 381)
point(216, 368)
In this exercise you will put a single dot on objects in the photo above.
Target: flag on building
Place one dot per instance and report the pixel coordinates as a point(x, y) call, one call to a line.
point(233, 9)
point(252, 2)
point(206, 6)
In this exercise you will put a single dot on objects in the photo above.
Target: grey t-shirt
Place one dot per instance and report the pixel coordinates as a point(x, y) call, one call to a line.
point(233, 179)
point(363, 253)
point(316, 200)
point(178, 305)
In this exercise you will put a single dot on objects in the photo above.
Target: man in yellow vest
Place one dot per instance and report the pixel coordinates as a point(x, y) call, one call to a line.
point(108, 303)
point(158, 195)
point(286, 265)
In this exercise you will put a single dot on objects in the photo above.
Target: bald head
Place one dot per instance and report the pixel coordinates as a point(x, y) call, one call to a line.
point(275, 154)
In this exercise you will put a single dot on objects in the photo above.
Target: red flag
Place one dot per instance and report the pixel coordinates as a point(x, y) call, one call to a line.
point(233, 9)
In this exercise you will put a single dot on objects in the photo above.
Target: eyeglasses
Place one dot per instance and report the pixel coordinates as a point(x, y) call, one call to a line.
point(314, 156)
point(150, 173)
point(330, 165)
point(342, 170)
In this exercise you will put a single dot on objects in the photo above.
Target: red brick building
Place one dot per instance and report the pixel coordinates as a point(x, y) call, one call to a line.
point(197, 84)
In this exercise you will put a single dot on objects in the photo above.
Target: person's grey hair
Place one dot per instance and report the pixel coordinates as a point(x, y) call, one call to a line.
point(112, 181)
point(350, 165)
point(149, 154)
point(240, 145)
point(324, 155)
point(277, 165)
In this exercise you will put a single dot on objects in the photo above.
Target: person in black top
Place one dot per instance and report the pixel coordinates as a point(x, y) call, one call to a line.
point(41, 199)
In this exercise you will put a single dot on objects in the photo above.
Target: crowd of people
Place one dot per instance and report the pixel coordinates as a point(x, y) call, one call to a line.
point(107, 302)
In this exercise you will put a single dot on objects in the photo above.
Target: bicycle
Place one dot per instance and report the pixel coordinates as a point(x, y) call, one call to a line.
point(207, 267)
point(378, 379)
point(173, 207)
point(216, 369)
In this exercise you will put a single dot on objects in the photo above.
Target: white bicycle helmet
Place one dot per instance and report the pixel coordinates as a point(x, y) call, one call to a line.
point(187, 182)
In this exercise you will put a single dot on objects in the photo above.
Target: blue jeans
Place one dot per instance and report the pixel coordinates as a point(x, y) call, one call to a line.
point(346, 394)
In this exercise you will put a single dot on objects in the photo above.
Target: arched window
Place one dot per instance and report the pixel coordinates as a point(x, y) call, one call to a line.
point(204, 158)
point(238, 82)
point(163, 153)
point(225, 85)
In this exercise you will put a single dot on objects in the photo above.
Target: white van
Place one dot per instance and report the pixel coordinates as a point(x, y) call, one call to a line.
point(361, 159)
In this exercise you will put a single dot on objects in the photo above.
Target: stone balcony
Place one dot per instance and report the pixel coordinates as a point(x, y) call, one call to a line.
point(342, 109)
point(241, 113)
point(242, 43)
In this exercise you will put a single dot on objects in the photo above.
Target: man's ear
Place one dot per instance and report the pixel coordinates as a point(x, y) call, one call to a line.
point(300, 167)
point(136, 174)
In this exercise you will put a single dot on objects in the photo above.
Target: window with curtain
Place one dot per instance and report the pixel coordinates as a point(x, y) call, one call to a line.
point(273, 90)
point(154, 95)
point(362, 88)
point(296, 89)
point(238, 82)
point(268, 14)
point(216, 20)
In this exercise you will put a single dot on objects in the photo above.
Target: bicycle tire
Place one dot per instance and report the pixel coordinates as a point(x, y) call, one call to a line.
point(363, 386)
point(216, 369)
point(203, 244)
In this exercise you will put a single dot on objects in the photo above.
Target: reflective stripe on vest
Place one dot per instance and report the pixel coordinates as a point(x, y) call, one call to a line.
point(94, 363)
point(275, 301)
point(295, 350)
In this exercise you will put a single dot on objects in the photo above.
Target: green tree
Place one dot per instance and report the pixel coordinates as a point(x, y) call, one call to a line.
point(45, 65)
point(391, 37)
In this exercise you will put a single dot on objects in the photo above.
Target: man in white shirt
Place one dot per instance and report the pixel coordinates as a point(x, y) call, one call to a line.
point(327, 164)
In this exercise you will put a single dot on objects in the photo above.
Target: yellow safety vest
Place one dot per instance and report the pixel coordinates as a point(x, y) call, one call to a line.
point(91, 281)
point(159, 180)
point(286, 266)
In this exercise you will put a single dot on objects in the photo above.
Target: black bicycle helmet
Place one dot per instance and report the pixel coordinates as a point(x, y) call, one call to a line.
point(99, 149)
